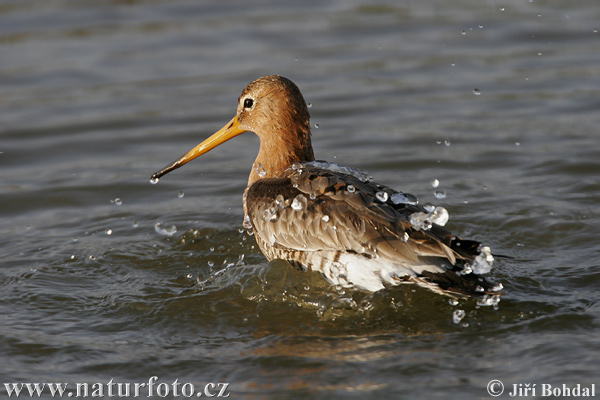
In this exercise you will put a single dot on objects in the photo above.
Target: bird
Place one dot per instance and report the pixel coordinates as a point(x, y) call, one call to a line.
point(336, 220)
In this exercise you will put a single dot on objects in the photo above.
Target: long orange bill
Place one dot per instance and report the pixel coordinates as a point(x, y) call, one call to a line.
point(229, 131)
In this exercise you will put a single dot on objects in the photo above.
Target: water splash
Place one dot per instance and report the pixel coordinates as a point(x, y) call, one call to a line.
point(420, 221)
point(435, 215)
point(482, 264)
point(458, 316)
point(165, 231)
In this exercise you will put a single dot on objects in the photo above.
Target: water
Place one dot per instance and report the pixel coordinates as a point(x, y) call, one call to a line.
point(97, 96)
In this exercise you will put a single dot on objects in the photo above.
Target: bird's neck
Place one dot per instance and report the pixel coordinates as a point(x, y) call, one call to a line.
point(279, 151)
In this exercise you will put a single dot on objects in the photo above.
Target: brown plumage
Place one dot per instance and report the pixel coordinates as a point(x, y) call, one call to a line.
point(333, 219)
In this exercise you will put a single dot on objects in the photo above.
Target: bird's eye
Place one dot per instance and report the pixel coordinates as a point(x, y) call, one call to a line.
point(248, 103)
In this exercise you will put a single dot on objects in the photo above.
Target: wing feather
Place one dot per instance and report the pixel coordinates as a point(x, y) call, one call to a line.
point(312, 209)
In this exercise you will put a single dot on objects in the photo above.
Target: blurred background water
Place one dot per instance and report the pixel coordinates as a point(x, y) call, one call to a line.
point(498, 100)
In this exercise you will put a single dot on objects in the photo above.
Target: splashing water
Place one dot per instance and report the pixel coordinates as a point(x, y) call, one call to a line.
point(482, 264)
point(439, 216)
point(404, 198)
point(458, 315)
point(420, 221)
point(166, 231)
point(435, 215)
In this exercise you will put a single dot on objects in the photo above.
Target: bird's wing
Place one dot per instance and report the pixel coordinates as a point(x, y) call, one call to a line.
point(312, 209)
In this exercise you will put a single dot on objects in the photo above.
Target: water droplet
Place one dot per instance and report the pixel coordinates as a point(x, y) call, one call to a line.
point(405, 237)
point(464, 32)
point(382, 196)
point(118, 201)
point(109, 232)
point(501, 8)
point(453, 65)
point(453, 302)
point(270, 214)
point(154, 181)
point(404, 198)
point(539, 15)
point(429, 207)
point(420, 221)
point(595, 30)
point(165, 231)
point(539, 53)
point(482, 264)
point(351, 188)
point(439, 216)
point(135, 224)
point(477, 92)
point(247, 224)
point(189, 276)
point(317, 126)
point(489, 300)
point(312, 196)
point(180, 194)
point(280, 201)
point(75, 239)
point(435, 183)
point(480, 26)
point(439, 194)
point(299, 202)
point(260, 170)
point(325, 218)
point(458, 315)
point(309, 105)
point(447, 142)
point(517, 143)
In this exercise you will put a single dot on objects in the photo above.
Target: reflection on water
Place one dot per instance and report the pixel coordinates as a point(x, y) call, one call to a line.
point(107, 276)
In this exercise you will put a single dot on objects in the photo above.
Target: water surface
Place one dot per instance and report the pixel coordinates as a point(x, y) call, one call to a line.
point(499, 102)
